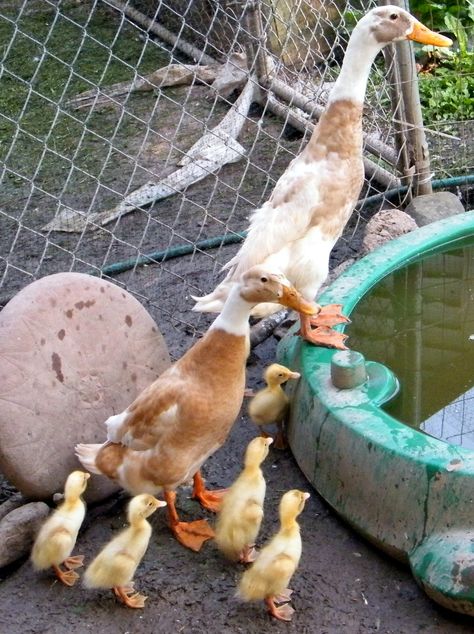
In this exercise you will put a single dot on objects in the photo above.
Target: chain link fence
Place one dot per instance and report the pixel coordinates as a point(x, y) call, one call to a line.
point(87, 119)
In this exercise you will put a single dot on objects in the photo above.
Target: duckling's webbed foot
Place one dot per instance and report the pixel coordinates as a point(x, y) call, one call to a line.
point(284, 596)
point(210, 500)
point(129, 597)
point(74, 562)
point(283, 612)
point(249, 554)
point(68, 577)
point(322, 335)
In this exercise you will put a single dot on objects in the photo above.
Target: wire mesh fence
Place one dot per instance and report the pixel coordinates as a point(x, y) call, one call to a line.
point(77, 161)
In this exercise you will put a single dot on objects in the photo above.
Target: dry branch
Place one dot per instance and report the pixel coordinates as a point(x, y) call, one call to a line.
point(215, 149)
point(171, 75)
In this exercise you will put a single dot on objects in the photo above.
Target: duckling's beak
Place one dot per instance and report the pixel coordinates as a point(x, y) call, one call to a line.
point(306, 495)
point(294, 375)
point(160, 504)
point(422, 34)
point(292, 299)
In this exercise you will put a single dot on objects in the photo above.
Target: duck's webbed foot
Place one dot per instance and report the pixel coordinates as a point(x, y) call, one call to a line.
point(189, 534)
point(322, 334)
point(192, 534)
point(210, 500)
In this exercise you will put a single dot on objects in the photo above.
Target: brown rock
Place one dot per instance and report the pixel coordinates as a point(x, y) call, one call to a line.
point(74, 350)
point(384, 226)
point(18, 530)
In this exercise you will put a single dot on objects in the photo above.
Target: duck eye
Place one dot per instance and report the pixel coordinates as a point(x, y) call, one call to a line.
point(264, 279)
point(394, 16)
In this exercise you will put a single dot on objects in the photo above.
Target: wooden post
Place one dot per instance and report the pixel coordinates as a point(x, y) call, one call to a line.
point(398, 113)
point(255, 42)
point(418, 152)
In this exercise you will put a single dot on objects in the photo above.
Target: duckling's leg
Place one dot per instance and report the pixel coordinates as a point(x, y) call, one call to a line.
point(74, 562)
point(210, 500)
point(128, 596)
point(283, 612)
point(68, 577)
point(190, 534)
point(280, 438)
point(322, 335)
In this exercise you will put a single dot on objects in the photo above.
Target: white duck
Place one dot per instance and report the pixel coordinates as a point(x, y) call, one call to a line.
point(296, 229)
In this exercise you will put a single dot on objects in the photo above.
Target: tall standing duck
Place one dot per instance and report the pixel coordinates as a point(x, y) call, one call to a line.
point(296, 229)
point(57, 537)
point(161, 440)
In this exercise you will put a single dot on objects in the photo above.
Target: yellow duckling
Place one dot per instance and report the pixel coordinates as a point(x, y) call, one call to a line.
point(115, 565)
point(57, 537)
point(242, 506)
point(269, 576)
point(270, 405)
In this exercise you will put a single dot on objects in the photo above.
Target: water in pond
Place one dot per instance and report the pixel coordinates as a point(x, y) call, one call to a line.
point(419, 322)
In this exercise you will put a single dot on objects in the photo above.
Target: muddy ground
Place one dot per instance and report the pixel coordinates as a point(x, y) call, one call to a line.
point(343, 584)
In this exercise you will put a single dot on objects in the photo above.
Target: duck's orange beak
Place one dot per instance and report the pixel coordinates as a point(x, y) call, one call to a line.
point(422, 34)
point(292, 299)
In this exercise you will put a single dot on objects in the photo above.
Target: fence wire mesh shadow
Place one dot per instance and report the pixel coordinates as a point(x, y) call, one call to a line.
point(76, 159)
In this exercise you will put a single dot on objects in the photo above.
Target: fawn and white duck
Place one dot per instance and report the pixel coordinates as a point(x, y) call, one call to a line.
point(161, 440)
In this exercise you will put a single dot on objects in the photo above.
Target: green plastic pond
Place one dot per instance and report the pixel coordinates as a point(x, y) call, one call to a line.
point(389, 442)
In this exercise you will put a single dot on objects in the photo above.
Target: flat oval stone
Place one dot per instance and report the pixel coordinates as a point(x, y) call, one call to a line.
point(74, 349)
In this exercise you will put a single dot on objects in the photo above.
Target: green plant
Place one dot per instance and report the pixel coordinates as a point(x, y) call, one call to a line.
point(447, 93)
point(433, 14)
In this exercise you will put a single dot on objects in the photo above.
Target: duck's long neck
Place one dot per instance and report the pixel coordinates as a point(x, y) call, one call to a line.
point(234, 317)
point(361, 51)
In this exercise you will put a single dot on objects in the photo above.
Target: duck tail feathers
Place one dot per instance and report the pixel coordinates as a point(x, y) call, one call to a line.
point(213, 302)
point(87, 455)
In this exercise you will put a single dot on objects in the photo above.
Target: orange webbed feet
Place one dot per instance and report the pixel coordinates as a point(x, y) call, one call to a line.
point(210, 500)
point(329, 315)
point(68, 577)
point(282, 612)
point(192, 534)
point(129, 597)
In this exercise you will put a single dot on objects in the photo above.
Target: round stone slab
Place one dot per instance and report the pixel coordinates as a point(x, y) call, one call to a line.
point(74, 349)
